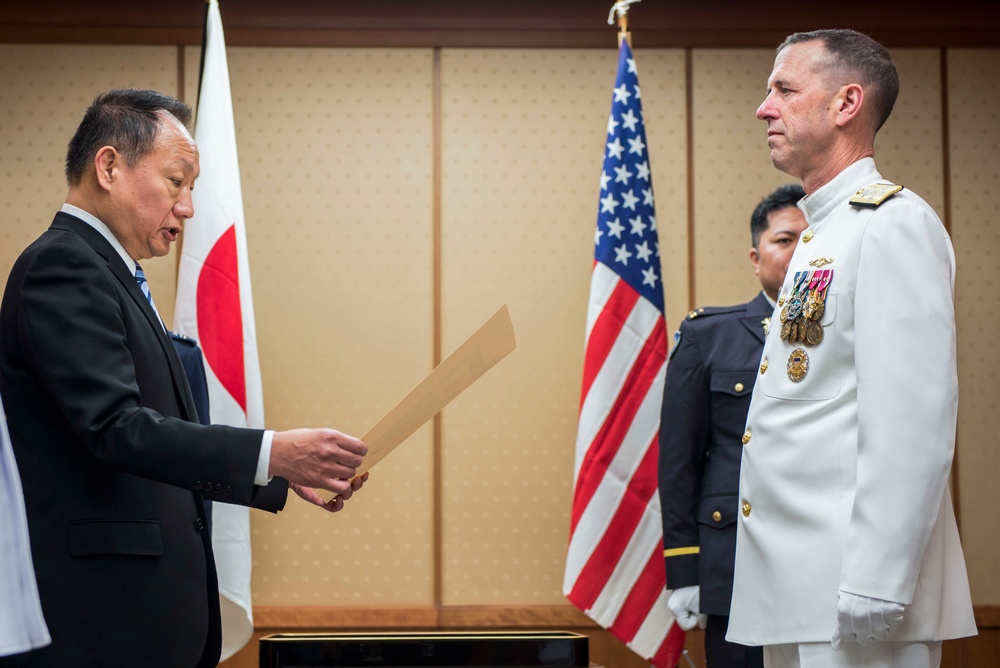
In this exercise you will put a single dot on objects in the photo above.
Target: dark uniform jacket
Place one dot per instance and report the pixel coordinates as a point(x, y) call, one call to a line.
point(710, 377)
point(193, 362)
point(113, 464)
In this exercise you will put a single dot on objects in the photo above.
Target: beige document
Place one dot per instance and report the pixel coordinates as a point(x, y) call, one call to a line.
point(480, 352)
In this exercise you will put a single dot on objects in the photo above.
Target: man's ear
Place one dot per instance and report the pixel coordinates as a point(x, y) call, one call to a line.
point(106, 164)
point(849, 101)
point(755, 260)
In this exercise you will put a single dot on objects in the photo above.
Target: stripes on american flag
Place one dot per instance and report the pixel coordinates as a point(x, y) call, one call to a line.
point(614, 565)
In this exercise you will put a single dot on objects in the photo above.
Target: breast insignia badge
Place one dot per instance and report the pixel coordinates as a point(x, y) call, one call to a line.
point(798, 365)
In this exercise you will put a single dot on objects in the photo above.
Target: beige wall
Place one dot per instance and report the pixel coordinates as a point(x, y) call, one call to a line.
point(974, 132)
point(337, 151)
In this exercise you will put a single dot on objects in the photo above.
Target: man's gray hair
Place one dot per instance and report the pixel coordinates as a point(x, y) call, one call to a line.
point(858, 55)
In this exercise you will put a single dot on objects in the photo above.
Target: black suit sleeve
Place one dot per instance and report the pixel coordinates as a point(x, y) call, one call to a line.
point(268, 497)
point(107, 373)
point(684, 435)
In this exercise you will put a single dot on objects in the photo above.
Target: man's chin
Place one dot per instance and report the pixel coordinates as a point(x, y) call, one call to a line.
point(160, 250)
point(781, 162)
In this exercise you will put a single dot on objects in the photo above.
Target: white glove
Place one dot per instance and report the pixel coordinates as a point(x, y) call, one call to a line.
point(683, 604)
point(864, 620)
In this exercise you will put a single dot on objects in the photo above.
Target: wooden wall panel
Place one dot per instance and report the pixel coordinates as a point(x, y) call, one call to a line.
point(44, 91)
point(909, 149)
point(731, 170)
point(335, 161)
point(974, 130)
point(522, 140)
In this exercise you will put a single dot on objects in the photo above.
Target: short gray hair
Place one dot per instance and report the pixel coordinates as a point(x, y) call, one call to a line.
point(862, 57)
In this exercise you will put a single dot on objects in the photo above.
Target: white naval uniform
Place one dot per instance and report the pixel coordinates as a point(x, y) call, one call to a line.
point(844, 478)
point(22, 627)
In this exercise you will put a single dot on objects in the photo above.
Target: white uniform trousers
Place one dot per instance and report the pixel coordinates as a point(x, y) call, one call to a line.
point(853, 655)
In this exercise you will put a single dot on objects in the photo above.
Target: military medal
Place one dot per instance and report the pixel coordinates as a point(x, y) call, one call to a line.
point(800, 318)
point(791, 312)
point(815, 308)
point(813, 300)
point(794, 307)
point(814, 333)
point(798, 365)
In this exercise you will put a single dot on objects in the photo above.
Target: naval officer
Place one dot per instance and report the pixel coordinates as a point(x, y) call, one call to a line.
point(848, 553)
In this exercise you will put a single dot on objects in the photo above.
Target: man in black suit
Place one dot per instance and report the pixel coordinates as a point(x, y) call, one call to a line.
point(710, 377)
point(112, 459)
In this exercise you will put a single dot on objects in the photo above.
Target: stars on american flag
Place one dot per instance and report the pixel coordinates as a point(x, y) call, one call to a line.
point(626, 237)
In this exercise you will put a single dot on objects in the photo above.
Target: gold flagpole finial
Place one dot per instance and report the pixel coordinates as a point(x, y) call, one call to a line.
point(620, 9)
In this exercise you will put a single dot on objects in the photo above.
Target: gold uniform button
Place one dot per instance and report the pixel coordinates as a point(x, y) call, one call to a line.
point(807, 236)
point(746, 509)
point(738, 387)
point(746, 437)
point(763, 366)
point(781, 300)
point(716, 516)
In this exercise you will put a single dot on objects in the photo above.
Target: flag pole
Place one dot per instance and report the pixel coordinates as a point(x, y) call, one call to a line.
point(620, 9)
point(204, 45)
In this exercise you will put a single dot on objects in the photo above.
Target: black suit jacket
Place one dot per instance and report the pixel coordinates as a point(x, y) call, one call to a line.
point(706, 396)
point(113, 464)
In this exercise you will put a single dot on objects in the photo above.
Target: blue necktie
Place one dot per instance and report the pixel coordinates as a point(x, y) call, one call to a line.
point(140, 278)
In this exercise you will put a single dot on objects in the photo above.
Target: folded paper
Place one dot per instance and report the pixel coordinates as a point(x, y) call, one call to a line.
point(480, 353)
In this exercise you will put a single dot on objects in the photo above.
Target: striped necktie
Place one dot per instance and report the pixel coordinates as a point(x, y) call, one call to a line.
point(140, 278)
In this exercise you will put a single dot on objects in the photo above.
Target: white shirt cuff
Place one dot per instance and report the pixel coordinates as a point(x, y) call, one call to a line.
point(264, 459)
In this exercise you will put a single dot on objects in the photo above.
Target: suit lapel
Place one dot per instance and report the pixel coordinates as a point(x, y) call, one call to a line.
point(757, 310)
point(125, 277)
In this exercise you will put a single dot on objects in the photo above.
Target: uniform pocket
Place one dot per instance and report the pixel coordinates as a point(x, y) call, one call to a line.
point(718, 512)
point(737, 383)
point(126, 537)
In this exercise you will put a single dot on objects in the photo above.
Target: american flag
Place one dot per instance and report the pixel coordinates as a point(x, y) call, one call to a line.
point(614, 564)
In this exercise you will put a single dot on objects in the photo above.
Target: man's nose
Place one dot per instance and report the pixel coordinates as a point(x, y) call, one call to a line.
point(184, 207)
point(766, 109)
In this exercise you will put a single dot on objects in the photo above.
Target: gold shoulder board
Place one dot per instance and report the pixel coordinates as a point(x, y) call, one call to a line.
point(871, 196)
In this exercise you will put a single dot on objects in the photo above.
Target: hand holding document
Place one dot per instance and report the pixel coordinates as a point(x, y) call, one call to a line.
point(480, 352)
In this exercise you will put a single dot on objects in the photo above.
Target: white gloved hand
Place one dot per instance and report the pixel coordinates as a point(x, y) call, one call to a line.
point(683, 604)
point(864, 620)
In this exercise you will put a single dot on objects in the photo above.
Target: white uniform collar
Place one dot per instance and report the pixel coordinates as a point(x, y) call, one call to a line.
point(821, 203)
